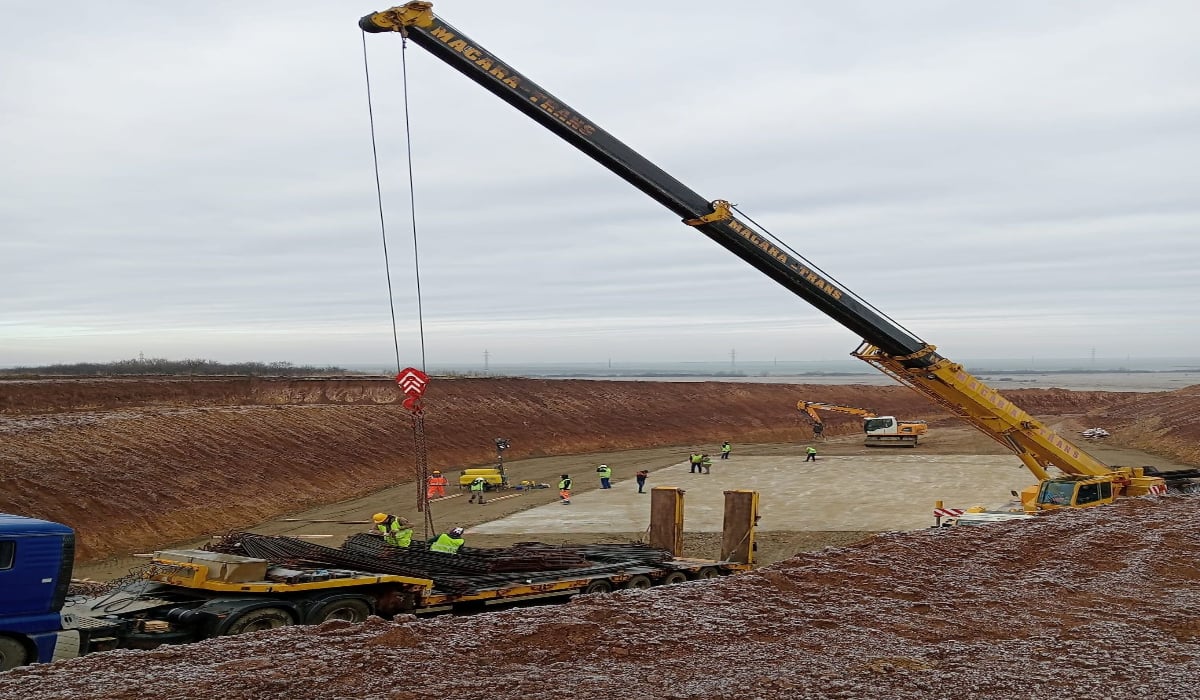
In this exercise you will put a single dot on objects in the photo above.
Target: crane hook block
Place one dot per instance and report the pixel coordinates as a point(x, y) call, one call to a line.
point(720, 212)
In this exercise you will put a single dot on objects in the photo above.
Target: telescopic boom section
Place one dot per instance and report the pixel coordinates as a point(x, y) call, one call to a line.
point(416, 19)
point(888, 347)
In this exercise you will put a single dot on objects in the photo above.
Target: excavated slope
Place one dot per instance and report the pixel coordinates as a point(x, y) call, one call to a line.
point(1097, 603)
point(133, 463)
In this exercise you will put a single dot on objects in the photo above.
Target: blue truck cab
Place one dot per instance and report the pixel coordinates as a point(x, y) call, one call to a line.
point(36, 560)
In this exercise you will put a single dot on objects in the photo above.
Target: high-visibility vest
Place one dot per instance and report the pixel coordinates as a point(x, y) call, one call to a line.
point(446, 544)
point(477, 485)
point(396, 534)
point(812, 450)
point(564, 485)
point(438, 481)
point(605, 472)
point(726, 447)
point(696, 458)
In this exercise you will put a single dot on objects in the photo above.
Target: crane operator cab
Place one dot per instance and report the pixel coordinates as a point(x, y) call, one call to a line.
point(1067, 492)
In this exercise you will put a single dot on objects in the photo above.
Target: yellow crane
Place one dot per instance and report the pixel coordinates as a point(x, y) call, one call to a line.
point(881, 431)
point(886, 345)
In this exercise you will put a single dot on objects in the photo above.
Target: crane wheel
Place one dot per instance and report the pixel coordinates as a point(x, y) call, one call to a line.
point(639, 582)
point(674, 577)
point(259, 619)
point(13, 653)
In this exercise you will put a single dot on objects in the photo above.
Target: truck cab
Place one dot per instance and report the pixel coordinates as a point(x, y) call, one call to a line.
point(36, 560)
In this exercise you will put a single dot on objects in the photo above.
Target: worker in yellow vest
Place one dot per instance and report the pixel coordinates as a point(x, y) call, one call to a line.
point(478, 486)
point(605, 473)
point(811, 455)
point(564, 490)
point(448, 542)
point(396, 531)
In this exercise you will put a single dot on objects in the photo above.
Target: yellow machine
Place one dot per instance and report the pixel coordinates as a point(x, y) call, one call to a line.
point(494, 477)
point(887, 345)
point(880, 430)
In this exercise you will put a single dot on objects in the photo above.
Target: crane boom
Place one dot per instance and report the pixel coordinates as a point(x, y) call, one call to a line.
point(887, 346)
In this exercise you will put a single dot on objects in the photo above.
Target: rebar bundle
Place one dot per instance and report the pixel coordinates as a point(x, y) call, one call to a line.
point(469, 570)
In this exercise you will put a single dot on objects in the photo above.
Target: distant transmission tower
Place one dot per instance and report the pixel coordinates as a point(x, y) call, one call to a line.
point(486, 355)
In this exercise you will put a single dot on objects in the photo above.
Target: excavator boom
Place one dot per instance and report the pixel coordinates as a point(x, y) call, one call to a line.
point(887, 346)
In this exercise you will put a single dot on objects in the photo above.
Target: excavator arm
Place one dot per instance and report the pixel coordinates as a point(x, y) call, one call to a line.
point(887, 346)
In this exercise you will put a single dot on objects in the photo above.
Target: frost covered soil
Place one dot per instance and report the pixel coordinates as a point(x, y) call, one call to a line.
point(1099, 603)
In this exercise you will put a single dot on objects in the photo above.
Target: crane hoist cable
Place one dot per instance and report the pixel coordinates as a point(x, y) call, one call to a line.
point(420, 446)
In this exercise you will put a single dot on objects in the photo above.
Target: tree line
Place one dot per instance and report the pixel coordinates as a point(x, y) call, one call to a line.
point(163, 366)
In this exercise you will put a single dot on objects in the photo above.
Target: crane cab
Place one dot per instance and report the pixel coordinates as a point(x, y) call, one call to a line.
point(1075, 493)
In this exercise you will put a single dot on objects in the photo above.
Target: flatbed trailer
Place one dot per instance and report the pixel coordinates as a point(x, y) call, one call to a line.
point(183, 596)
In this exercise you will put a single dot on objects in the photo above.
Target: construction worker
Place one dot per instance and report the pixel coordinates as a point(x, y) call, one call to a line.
point(564, 490)
point(696, 459)
point(437, 485)
point(478, 486)
point(818, 428)
point(448, 542)
point(641, 480)
point(605, 473)
point(706, 463)
point(396, 531)
point(726, 448)
point(812, 454)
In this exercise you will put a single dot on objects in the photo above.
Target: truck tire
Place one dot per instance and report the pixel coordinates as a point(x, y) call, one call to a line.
point(599, 586)
point(707, 572)
point(13, 653)
point(674, 577)
point(639, 582)
point(257, 620)
point(348, 609)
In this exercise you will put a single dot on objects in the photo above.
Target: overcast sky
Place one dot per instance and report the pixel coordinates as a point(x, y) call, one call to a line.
point(1005, 180)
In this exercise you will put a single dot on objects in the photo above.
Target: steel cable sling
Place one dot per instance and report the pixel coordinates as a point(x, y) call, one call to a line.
point(405, 378)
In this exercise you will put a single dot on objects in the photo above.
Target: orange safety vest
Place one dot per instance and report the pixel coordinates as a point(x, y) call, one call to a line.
point(438, 481)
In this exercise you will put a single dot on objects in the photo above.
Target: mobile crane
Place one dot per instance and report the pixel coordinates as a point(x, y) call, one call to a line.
point(885, 344)
point(880, 430)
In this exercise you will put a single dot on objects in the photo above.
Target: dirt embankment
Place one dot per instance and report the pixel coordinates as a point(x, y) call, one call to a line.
point(134, 463)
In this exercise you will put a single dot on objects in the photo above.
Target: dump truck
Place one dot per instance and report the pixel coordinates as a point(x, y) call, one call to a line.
point(248, 582)
point(886, 344)
point(881, 431)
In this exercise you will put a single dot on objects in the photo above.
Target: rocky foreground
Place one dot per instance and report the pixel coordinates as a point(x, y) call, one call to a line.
point(1098, 603)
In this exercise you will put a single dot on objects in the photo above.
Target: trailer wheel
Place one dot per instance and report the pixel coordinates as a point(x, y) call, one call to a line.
point(674, 577)
point(708, 572)
point(12, 653)
point(259, 619)
point(599, 586)
point(639, 582)
point(348, 609)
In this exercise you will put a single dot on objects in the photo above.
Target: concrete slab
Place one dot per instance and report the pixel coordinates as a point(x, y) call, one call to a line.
point(888, 491)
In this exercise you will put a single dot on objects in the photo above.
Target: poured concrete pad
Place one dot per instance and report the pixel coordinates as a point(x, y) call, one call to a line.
point(894, 490)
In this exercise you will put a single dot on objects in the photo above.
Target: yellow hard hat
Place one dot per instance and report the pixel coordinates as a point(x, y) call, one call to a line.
point(379, 517)
point(436, 471)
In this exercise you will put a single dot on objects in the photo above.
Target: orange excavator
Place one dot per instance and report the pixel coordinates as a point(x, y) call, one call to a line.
point(881, 431)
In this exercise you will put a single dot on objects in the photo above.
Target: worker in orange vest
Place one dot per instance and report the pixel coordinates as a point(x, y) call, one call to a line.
point(437, 485)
